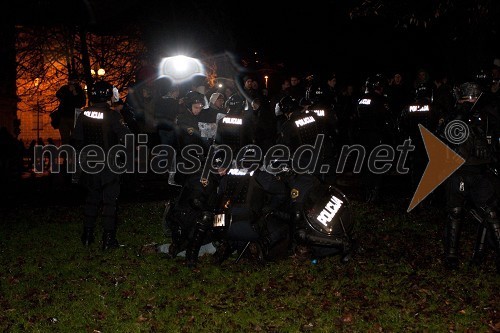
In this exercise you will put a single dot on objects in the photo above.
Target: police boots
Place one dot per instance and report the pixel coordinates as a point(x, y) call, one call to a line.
point(223, 252)
point(200, 231)
point(480, 245)
point(194, 247)
point(178, 241)
point(373, 195)
point(494, 225)
point(452, 236)
point(109, 241)
point(88, 236)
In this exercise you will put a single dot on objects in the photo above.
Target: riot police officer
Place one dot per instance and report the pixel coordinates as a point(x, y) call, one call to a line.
point(236, 128)
point(188, 218)
point(100, 125)
point(299, 129)
point(417, 112)
point(322, 104)
point(372, 122)
point(246, 200)
point(470, 185)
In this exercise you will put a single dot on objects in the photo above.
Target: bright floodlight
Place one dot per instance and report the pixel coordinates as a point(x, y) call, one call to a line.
point(181, 68)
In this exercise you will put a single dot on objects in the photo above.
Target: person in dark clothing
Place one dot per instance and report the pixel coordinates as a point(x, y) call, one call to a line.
point(100, 125)
point(442, 99)
point(128, 115)
point(188, 220)
point(296, 90)
point(236, 129)
point(210, 116)
point(275, 99)
point(188, 131)
point(166, 109)
point(70, 96)
point(398, 93)
point(331, 90)
point(265, 125)
point(373, 113)
point(345, 111)
point(471, 184)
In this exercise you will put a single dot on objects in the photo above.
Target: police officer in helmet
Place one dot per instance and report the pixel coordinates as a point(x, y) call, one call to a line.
point(471, 185)
point(100, 125)
point(373, 115)
point(188, 218)
point(236, 128)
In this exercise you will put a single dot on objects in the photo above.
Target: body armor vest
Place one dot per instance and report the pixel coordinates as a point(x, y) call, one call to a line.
point(96, 127)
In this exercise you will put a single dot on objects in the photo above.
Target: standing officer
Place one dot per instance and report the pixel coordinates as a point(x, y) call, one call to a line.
point(70, 96)
point(373, 116)
point(236, 128)
point(471, 182)
point(189, 219)
point(101, 126)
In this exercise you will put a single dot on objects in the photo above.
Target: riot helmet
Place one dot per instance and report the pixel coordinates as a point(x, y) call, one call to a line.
point(468, 91)
point(423, 93)
point(101, 92)
point(483, 79)
point(235, 104)
point(288, 105)
point(315, 94)
point(193, 97)
point(467, 94)
point(375, 83)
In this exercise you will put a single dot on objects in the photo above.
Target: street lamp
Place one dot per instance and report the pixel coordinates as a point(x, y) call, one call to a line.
point(100, 73)
point(266, 78)
point(181, 68)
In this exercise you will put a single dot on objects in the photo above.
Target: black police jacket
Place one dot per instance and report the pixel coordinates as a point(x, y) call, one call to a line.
point(189, 132)
point(373, 112)
point(100, 125)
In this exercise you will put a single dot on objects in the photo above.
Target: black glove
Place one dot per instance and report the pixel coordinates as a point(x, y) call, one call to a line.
point(482, 150)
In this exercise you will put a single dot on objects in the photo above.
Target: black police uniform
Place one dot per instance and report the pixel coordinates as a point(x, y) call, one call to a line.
point(471, 183)
point(236, 129)
point(372, 120)
point(246, 201)
point(189, 219)
point(301, 129)
point(188, 133)
point(418, 112)
point(100, 125)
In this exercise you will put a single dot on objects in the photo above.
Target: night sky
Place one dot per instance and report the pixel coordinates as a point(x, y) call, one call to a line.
point(314, 36)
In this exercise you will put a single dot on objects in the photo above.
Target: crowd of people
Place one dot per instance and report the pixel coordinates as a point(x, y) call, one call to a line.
point(242, 113)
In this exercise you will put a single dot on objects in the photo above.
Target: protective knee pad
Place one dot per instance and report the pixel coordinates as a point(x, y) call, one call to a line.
point(455, 214)
point(298, 219)
point(206, 220)
point(452, 231)
point(494, 227)
point(490, 211)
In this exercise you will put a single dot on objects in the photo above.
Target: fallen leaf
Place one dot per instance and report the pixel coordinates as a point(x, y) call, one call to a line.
point(496, 327)
point(308, 326)
point(347, 318)
point(141, 319)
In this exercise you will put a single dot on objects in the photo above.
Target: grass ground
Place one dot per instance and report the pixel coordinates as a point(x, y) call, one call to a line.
point(396, 283)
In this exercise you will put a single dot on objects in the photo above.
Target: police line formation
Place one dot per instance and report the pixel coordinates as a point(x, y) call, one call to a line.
point(270, 210)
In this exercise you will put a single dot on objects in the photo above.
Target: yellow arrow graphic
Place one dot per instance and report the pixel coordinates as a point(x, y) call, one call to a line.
point(443, 161)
